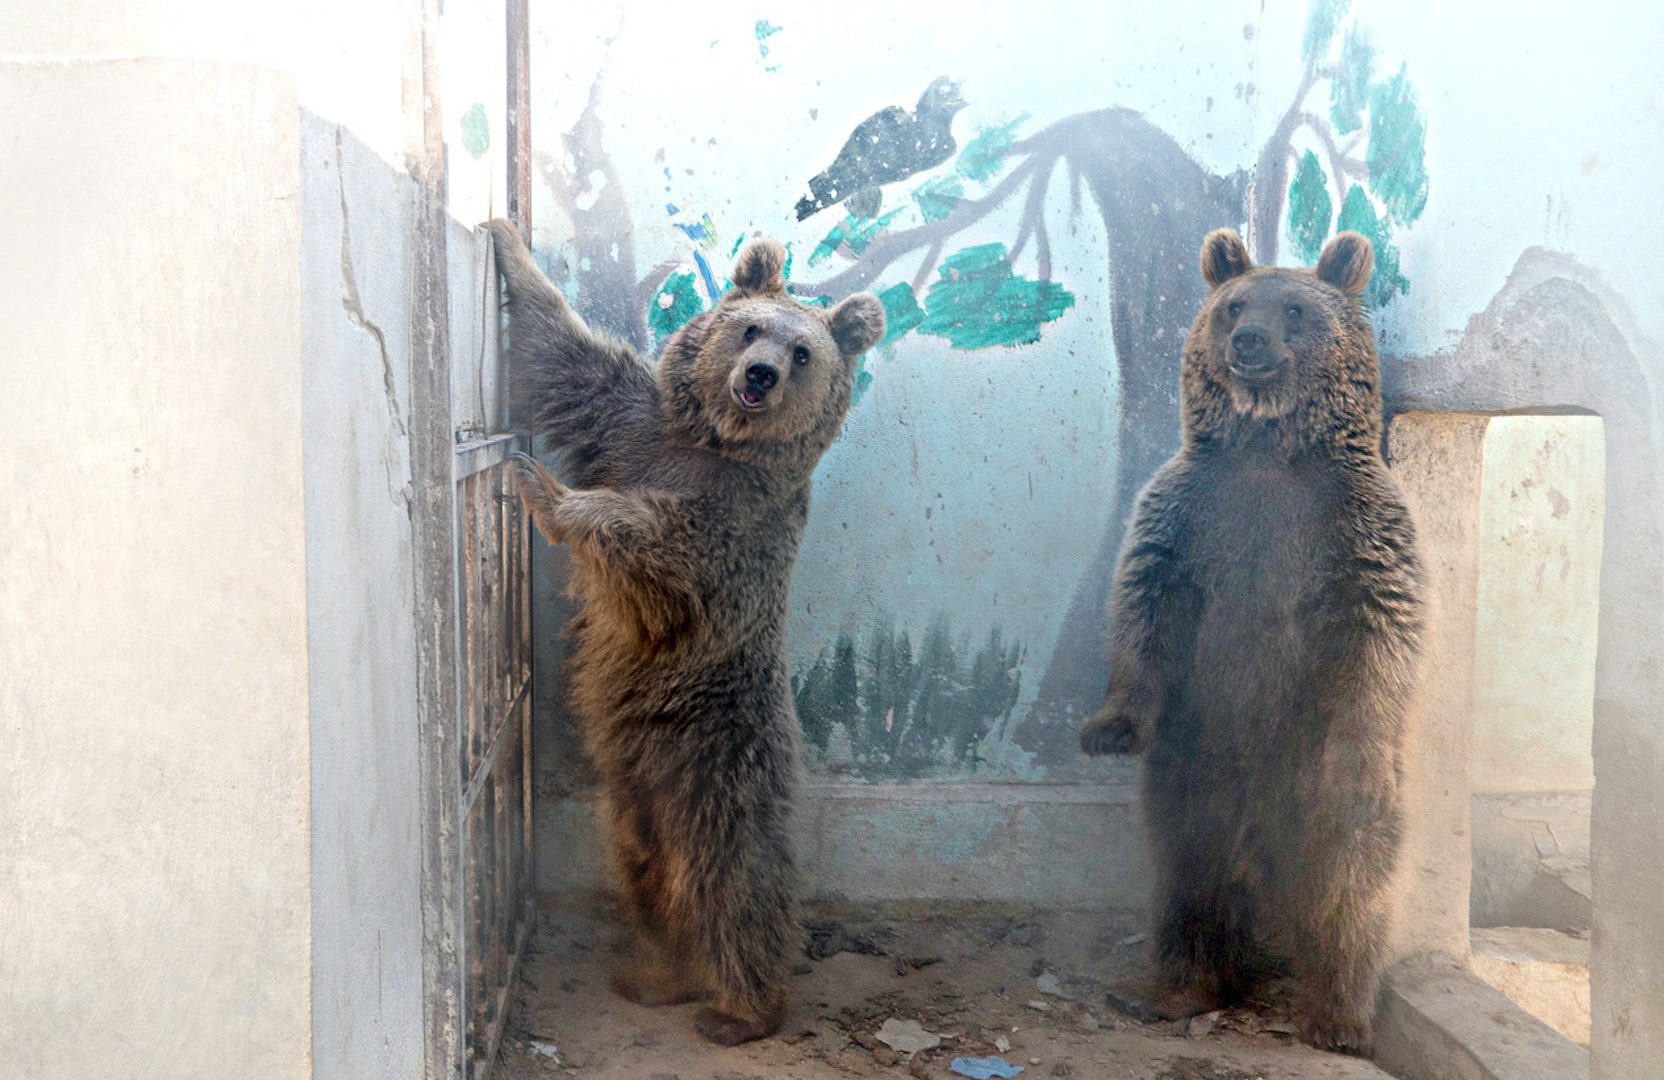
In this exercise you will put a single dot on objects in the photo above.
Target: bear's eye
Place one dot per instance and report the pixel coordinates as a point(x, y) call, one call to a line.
point(751, 333)
point(1293, 312)
point(801, 354)
point(1234, 309)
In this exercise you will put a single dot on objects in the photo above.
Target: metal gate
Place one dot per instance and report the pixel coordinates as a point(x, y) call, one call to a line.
point(474, 663)
point(493, 748)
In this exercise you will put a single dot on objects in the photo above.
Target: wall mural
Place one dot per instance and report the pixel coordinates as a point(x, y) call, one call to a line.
point(952, 225)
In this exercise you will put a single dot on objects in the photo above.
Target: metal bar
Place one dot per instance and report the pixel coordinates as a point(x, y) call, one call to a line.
point(477, 455)
point(482, 771)
point(518, 24)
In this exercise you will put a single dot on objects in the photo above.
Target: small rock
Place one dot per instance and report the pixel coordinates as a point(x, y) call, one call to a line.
point(1034, 1061)
point(1281, 1027)
point(1002, 1044)
point(1039, 1006)
point(884, 1056)
point(1048, 984)
point(918, 1069)
point(1202, 1025)
point(1134, 939)
point(542, 1049)
point(907, 1036)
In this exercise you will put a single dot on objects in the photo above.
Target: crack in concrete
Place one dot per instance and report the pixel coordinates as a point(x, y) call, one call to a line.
point(353, 305)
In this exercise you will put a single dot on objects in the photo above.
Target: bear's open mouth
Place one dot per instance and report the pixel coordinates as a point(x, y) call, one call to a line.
point(1255, 372)
point(749, 400)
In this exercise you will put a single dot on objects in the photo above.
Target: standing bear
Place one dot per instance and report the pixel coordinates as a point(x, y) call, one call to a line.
point(1265, 625)
point(690, 489)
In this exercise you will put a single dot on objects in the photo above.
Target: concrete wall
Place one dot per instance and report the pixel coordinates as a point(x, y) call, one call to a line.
point(1541, 517)
point(356, 266)
point(154, 767)
point(1543, 509)
point(212, 809)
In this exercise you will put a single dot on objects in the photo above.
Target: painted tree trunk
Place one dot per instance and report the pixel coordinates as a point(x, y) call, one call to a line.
point(1157, 204)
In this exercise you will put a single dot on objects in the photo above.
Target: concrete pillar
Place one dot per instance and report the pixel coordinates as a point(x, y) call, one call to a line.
point(1438, 460)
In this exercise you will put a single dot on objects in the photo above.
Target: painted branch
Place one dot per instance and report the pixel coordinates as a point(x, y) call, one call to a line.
point(1339, 164)
point(892, 246)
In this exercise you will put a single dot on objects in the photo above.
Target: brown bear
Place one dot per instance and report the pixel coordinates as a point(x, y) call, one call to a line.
point(1265, 626)
point(690, 489)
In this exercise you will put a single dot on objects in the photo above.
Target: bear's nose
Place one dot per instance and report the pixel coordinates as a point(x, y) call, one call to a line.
point(762, 376)
point(1250, 341)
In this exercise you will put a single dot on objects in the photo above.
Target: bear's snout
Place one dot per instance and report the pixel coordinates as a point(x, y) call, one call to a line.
point(1252, 356)
point(759, 377)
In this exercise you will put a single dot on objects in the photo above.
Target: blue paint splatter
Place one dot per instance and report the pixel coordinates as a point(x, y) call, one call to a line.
point(705, 272)
point(671, 208)
point(766, 30)
point(694, 232)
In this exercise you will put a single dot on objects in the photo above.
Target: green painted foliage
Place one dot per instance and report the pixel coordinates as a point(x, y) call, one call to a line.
point(901, 311)
point(673, 305)
point(863, 380)
point(476, 131)
point(938, 196)
point(1357, 214)
point(854, 230)
point(907, 712)
point(1349, 90)
point(1397, 149)
point(984, 155)
point(1322, 19)
point(1309, 209)
point(977, 302)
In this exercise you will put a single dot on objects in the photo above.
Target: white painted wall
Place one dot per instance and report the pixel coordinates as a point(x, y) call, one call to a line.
point(154, 826)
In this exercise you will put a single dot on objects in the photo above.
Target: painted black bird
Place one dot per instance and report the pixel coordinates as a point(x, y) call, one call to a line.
point(891, 144)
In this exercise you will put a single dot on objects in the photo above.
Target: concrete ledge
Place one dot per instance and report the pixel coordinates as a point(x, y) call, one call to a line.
point(1050, 845)
point(1544, 972)
point(1439, 1021)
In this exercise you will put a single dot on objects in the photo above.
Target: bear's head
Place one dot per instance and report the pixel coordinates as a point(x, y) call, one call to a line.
point(763, 377)
point(1282, 351)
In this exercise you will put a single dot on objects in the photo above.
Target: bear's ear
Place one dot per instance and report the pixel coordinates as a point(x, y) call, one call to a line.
point(857, 323)
point(760, 268)
point(1224, 256)
point(1346, 262)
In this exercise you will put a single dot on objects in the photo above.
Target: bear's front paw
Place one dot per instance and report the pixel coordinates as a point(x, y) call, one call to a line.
point(540, 493)
point(534, 483)
point(505, 234)
point(1113, 732)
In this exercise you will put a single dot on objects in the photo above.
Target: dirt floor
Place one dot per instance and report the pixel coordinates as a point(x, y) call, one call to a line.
point(1027, 989)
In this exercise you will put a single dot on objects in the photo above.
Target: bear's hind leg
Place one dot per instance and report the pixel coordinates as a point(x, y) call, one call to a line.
point(1341, 941)
point(655, 974)
point(748, 930)
point(1205, 950)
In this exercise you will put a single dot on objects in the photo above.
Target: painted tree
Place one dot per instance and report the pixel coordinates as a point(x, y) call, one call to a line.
point(1357, 162)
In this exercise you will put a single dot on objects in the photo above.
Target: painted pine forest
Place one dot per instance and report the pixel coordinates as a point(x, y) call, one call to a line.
point(885, 707)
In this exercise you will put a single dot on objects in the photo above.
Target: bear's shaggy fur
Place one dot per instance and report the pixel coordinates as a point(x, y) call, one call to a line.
point(1266, 620)
point(689, 493)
